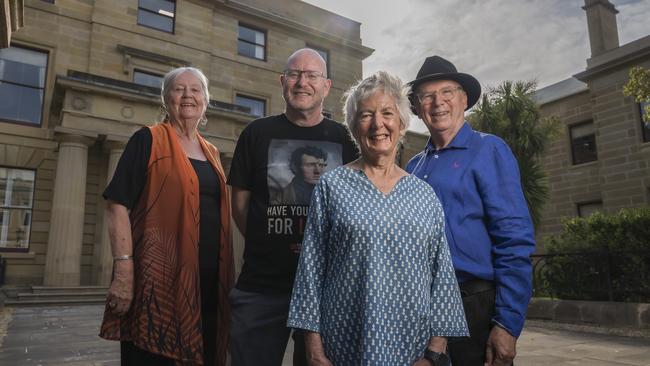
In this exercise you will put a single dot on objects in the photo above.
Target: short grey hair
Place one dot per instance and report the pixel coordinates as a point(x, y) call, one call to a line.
point(169, 79)
point(380, 81)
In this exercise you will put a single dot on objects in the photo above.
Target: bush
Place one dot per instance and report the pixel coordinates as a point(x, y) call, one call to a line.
point(601, 257)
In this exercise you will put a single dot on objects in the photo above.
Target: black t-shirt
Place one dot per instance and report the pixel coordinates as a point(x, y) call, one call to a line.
point(126, 187)
point(279, 163)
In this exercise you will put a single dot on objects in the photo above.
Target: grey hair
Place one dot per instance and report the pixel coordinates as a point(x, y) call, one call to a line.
point(364, 89)
point(168, 81)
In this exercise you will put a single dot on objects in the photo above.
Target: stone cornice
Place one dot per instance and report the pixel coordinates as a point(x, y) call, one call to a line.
point(356, 47)
point(621, 56)
point(138, 93)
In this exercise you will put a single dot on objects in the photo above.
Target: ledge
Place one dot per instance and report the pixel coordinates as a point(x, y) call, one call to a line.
point(18, 255)
point(633, 316)
point(176, 62)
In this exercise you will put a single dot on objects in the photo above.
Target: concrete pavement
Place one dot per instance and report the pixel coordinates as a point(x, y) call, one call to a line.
point(67, 335)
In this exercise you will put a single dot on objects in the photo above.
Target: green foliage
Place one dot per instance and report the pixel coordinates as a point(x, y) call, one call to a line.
point(638, 87)
point(612, 258)
point(509, 112)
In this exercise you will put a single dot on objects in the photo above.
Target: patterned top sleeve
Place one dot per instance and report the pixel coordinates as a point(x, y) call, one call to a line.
point(305, 308)
point(447, 316)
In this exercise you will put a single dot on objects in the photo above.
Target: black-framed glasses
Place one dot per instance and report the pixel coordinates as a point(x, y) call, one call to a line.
point(310, 75)
point(445, 94)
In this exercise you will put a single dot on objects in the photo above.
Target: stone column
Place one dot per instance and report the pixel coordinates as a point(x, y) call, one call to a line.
point(104, 256)
point(63, 260)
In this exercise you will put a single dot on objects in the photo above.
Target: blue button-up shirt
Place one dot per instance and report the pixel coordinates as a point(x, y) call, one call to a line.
point(488, 225)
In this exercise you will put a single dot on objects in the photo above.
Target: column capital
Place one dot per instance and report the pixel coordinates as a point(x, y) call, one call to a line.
point(113, 145)
point(72, 138)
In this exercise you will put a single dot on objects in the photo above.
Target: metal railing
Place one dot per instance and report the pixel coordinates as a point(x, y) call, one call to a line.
point(594, 276)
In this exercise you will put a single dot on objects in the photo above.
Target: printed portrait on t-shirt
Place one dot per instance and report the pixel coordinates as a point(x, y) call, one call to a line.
point(295, 167)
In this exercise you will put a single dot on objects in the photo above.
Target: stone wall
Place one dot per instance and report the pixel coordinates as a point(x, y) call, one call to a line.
point(633, 317)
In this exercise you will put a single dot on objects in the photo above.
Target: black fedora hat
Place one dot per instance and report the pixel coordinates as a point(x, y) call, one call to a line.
point(437, 68)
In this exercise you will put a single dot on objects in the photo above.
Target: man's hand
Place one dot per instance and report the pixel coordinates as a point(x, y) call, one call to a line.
point(501, 348)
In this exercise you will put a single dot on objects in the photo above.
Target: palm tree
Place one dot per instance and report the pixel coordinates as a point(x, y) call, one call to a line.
point(509, 112)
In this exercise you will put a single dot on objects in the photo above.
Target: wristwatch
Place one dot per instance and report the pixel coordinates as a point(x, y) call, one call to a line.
point(437, 358)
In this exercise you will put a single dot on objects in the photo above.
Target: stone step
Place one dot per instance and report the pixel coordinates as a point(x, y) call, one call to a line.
point(54, 302)
point(49, 295)
point(62, 295)
point(68, 289)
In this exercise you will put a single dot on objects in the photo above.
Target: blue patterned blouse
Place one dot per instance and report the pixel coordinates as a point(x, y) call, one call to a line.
point(375, 278)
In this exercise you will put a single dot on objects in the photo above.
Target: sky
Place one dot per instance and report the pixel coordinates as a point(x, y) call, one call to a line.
point(494, 40)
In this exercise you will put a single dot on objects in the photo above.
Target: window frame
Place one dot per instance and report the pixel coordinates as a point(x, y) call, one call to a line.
point(46, 68)
point(253, 98)
point(173, 18)
point(580, 205)
point(146, 72)
point(255, 29)
point(571, 127)
point(31, 213)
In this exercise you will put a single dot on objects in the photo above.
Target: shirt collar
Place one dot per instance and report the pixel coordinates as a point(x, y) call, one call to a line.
point(460, 141)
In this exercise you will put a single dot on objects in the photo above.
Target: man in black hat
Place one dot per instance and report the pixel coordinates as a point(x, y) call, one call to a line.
point(488, 225)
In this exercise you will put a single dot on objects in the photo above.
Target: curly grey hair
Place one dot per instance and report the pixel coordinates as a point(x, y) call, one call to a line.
point(364, 89)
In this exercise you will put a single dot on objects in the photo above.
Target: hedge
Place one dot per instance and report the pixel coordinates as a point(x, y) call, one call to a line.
point(600, 257)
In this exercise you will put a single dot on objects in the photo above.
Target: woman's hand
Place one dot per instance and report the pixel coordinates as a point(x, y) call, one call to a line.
point(423, 362)
point(321, 361)
point(314, 349)
point(120, 294)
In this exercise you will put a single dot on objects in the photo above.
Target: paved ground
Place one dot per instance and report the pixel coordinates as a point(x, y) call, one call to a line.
point(68, 336)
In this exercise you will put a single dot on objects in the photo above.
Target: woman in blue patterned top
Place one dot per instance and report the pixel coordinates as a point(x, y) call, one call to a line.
point(375, 283)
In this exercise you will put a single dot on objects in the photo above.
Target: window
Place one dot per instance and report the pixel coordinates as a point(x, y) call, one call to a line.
point(147, 78)
point(583, 143)
point(16, 201)
point(22, 84)
point(251, 43)
point(157, 14)
point(256, 105)
point(645, 121)
point(324, 54)
point(48, 1)
point(586, 209)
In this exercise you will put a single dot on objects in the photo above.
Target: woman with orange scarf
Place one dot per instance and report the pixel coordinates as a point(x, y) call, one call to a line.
point(169, 224)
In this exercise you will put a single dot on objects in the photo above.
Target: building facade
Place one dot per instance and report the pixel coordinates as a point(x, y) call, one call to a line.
point(81, 76)
point(601, 159)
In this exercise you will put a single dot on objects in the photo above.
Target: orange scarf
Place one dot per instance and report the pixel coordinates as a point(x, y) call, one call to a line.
point(165, 315)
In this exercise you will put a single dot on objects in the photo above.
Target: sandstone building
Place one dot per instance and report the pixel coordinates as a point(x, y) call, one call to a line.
point(601, 160)
point(81, 76)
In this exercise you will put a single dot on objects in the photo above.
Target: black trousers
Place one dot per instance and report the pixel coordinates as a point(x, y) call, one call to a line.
point(130, 355)
point(259, 333)
point(478, 301)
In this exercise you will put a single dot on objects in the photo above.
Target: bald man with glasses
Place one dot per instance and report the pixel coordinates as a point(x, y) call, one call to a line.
point(271, 219)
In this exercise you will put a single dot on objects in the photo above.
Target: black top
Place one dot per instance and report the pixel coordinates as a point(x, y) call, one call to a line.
point(129, 180)
point(272, 153)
